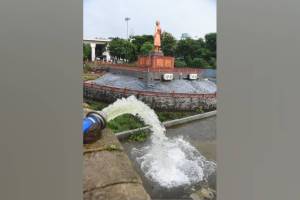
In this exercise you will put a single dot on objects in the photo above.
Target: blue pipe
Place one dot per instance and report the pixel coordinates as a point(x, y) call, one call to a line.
point(87, 125)
point(93, 121)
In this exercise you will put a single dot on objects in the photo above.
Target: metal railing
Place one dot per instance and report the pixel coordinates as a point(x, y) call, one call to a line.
point(133, 67)
point(125, 91)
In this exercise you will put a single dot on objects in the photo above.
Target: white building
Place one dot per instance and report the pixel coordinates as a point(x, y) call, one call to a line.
point(99, 48)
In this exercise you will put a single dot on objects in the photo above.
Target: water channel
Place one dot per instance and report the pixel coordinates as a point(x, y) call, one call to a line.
point(200, 134)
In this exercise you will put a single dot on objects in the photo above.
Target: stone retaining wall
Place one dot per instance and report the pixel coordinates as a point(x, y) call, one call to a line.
point(157, 100)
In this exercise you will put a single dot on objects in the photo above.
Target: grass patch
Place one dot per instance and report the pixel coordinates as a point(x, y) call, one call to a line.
point(96, 105)
point(87, 68)
point(88, 77)
point(139, 136)
point(171, 115)
point(125, 122)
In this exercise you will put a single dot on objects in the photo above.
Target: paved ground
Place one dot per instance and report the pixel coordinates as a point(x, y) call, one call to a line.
point(177, 86)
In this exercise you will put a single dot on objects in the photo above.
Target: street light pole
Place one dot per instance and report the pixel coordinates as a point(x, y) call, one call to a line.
point(127, 19)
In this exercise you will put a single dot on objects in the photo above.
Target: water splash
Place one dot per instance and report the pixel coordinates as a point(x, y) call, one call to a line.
point(169, 162)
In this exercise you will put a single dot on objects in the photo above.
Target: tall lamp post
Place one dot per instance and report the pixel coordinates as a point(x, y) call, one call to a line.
point(127, 19)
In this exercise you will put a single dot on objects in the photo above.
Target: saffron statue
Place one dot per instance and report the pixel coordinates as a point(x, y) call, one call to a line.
point(156, 59)
point(157, 36)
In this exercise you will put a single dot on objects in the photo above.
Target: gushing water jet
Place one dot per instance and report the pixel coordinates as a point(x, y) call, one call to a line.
point(169, 162)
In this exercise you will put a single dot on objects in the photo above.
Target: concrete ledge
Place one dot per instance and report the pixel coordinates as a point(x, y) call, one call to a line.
point(167, 124)
point(184, 120)
point(108, 173)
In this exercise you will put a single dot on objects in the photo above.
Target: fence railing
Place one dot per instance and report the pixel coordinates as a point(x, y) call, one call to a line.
point(133, 67)
point(126, 91)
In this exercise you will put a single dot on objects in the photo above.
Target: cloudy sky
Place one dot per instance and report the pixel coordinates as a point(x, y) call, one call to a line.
point(105, 18)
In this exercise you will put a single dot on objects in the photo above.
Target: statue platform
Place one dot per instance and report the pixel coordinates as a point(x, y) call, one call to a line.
point(156, 60)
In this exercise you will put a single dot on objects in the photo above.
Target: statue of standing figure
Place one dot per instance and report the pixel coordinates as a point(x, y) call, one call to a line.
point(157, 36)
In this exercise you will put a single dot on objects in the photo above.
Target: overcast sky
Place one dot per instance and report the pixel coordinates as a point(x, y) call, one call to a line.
point(105, 18)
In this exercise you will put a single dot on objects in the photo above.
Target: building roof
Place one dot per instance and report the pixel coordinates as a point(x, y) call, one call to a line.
point(96, 40)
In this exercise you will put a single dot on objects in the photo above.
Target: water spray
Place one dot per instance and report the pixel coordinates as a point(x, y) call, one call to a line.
point(95, 120)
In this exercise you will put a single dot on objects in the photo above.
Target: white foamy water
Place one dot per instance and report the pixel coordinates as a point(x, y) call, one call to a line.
point(169, 162)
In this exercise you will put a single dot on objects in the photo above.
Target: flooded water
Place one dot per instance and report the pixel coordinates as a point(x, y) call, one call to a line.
point(201, 135)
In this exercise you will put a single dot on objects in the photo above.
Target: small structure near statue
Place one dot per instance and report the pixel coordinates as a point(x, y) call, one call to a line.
point(156, 60)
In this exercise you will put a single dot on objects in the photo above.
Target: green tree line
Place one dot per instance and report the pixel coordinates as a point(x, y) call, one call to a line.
point(187, 51)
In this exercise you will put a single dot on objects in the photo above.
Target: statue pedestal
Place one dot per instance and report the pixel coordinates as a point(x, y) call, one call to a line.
point(156, 60)
point(156, 53)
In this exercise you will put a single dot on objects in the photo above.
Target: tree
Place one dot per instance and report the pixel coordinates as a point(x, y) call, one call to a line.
point(86, 51)
point(180, 63)
point(198, 53)
point(116, 48)
point(139, 40)
point(183, 48)
point(146, 48)
point(168, 44)
point(212, 63)
point(122, 49)
point(189, 49)
point(211, 46)
point(199, 62)
point(130, 51)
point(211, 42)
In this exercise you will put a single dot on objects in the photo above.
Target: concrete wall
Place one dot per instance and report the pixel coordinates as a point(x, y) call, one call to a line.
point(108, 172)
point(157, 100)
